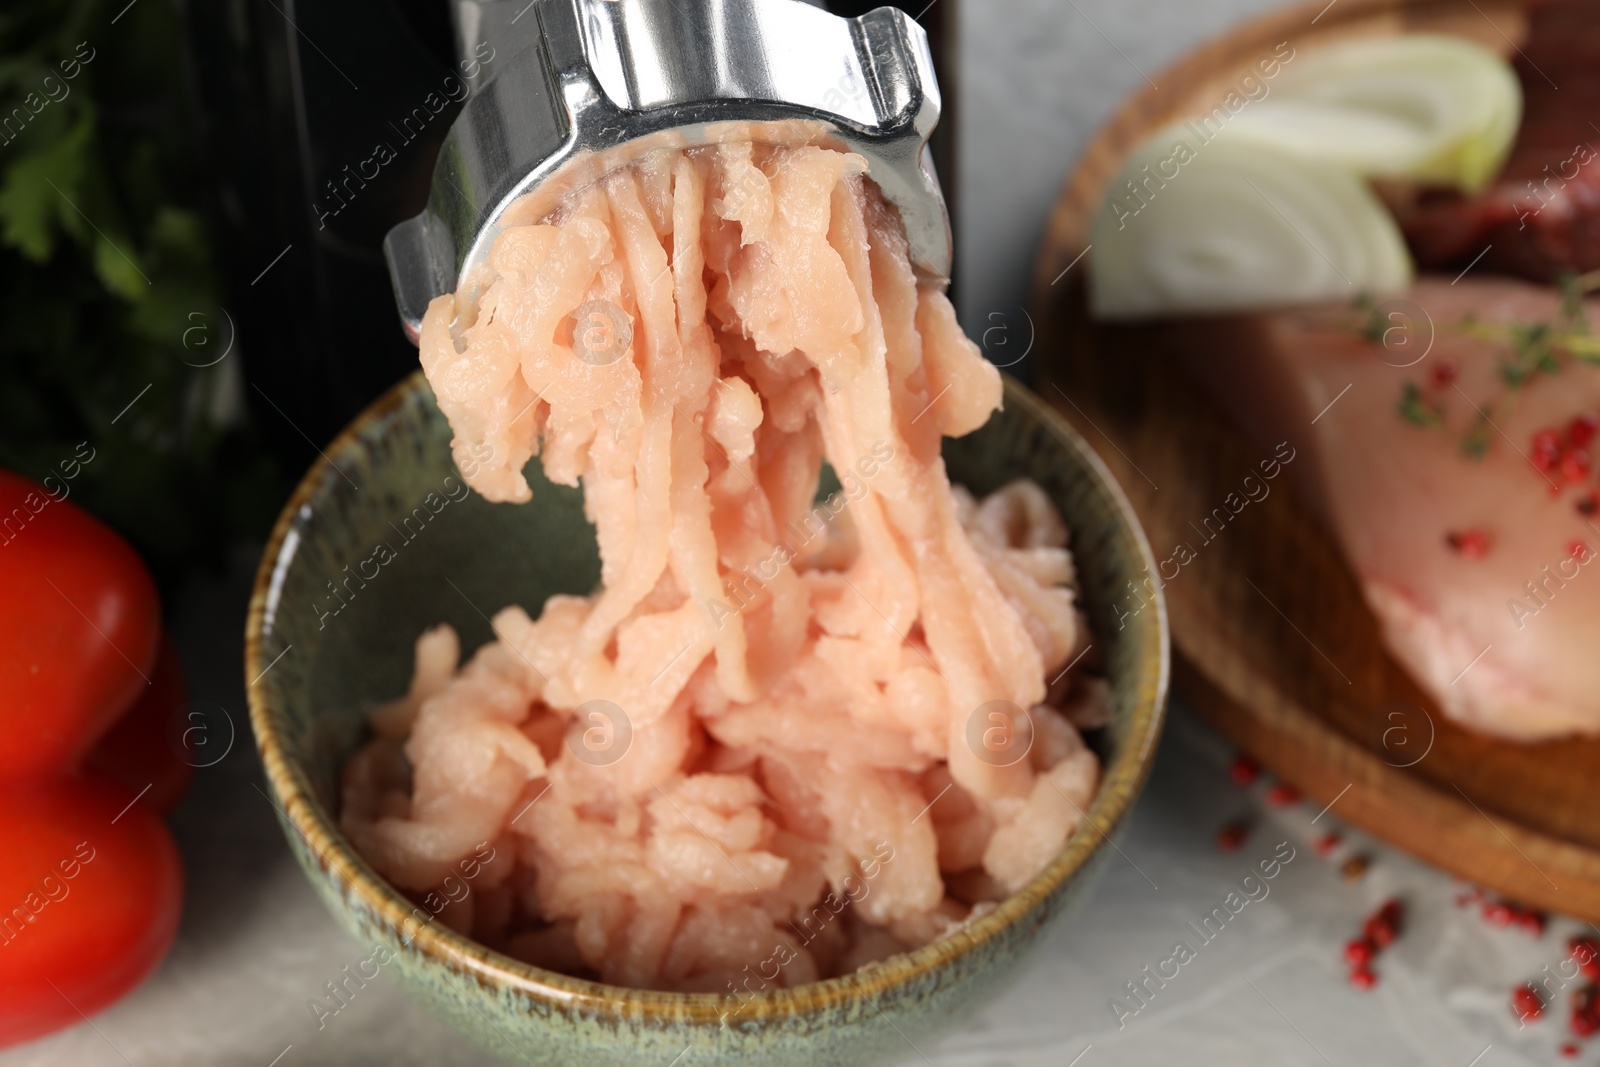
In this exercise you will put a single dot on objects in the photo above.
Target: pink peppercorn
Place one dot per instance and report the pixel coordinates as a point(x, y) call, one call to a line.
point(1575, 465)
point(1473, 544)
point(1244, 770)
point(1525, 1002)
point(1282, 795)
point(1546, 450)
point(1586, 954)
point(1231, 836)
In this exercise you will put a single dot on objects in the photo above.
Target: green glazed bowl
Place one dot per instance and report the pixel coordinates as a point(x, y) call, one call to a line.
point(314, 664)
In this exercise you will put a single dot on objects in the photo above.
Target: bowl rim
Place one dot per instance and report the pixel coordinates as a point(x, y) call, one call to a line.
point(298, 808)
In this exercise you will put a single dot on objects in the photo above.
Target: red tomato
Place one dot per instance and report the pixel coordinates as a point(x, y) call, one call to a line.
point(79, 625)
point(139, 751)
point(90, 893)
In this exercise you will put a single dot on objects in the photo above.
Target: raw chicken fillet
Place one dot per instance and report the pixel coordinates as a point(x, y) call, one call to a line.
point(1447, 437)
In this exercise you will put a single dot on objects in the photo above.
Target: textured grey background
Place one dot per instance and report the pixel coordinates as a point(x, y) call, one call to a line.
point(1037, 78)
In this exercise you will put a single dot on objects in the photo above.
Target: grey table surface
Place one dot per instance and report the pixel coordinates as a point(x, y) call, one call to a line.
point(255, 946)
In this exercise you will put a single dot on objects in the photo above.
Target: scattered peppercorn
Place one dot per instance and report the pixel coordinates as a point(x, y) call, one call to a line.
point(1508, 913)
point(1282, 794)
point(1585, 1018)
point(1325, 844)
point(1474, 544)
point(1353, 868)
point(1586, 954)
point(1232, 835)
point(1443, 373)
point(1525, 1002)
point(1575, 465)
point(1378, 932)
point(1581, 430)
point(1569, 1050)
point(1383, 927)
point(1498, 913)
point(1244, 770)
point(1546, 450)
point(1588, 504)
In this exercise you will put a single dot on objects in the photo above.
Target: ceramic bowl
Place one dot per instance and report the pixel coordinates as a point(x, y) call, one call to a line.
point(314, 664)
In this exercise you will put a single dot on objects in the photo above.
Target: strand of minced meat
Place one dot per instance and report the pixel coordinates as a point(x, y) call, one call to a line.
point(808, 748)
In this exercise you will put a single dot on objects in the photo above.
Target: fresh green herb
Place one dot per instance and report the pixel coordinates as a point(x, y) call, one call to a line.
point(1530, 349)
point(1585, 347)
point(1572, 302)
point(1416, 408)
point(1472, 326)
point(1532, 353)
point(1476, 442)
point(106, 271)
point(1376, 325)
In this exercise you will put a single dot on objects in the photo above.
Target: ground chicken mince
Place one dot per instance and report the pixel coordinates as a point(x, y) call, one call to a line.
point(784, 738)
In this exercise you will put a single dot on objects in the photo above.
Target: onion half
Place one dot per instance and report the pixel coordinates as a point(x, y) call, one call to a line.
point(1426, 107)
point(1230, 224)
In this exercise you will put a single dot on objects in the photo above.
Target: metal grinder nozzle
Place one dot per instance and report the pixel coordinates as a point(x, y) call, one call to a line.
point(578, 87)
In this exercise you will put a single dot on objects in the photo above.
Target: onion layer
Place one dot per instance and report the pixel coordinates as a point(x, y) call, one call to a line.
point(1230, 224)
point(1427, 107)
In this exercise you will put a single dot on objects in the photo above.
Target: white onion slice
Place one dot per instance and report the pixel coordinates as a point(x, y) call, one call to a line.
point(1230, 224)
point(1425, 107)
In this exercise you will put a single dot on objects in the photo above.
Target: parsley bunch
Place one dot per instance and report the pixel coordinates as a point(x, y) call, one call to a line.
point(111, 321)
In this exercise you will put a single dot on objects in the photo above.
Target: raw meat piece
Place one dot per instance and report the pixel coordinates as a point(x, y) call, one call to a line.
point(688, 339)
point(1476, 568)
point(1541, 218)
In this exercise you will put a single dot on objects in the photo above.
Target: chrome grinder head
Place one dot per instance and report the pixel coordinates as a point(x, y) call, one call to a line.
point(578, 87)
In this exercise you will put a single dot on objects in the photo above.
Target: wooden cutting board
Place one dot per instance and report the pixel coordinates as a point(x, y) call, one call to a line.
point(1274, 643)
